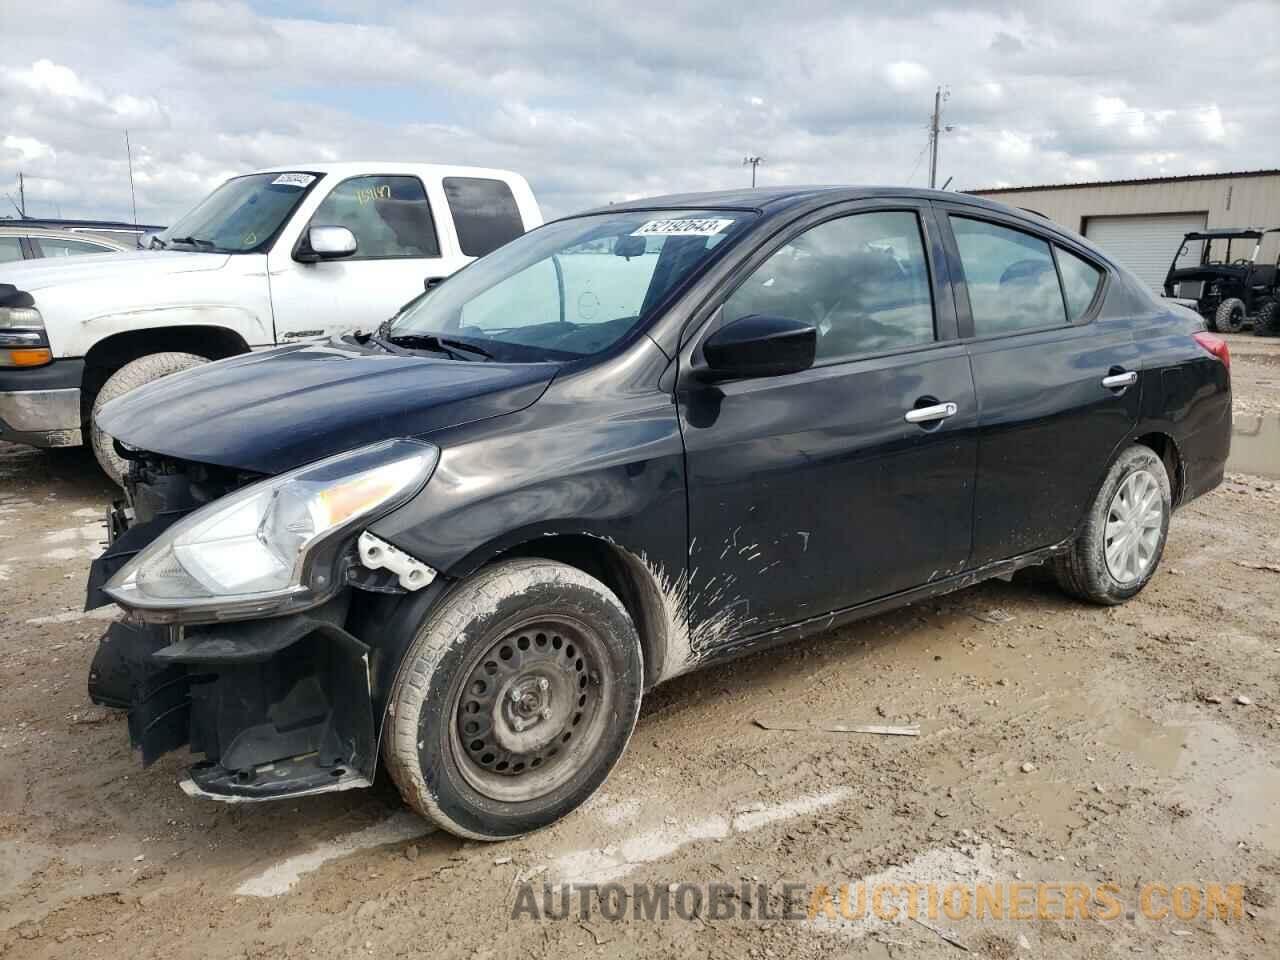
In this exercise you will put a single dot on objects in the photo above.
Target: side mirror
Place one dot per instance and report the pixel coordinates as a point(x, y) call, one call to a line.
point(326, 243)
point(431, 283)
point(758, 345)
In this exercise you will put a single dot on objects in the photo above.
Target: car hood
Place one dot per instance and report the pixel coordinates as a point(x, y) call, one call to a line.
point(128, 266)
point(270, 412)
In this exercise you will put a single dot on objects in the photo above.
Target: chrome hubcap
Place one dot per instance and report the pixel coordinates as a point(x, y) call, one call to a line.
point(1134, 522)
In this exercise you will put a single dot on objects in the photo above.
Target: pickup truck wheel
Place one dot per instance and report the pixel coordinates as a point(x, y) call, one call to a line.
point(515, 700)
point(1120, 547)
point(129, 377)
point(1230, 316)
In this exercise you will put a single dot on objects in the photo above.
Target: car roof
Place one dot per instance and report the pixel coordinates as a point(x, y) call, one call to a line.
point(775, 199)
point(351, 168)
point(1253, 233)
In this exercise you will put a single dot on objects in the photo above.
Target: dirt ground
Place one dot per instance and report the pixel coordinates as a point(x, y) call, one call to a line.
point(1059, 743)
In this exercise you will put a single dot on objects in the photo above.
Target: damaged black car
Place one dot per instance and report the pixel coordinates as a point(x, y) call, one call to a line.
point(631, 443)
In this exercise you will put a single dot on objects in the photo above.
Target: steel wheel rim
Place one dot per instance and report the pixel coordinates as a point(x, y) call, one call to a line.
point(530, 709)
point(1135, 520)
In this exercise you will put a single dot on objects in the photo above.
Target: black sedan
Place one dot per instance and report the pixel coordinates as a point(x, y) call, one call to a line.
point(627, 445)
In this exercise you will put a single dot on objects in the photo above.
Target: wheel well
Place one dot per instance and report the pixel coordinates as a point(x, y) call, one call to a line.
point(111, 353)
point(622, 572)
point(1166, 448)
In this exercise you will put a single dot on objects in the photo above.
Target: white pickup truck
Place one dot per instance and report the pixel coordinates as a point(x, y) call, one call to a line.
point(272, 257)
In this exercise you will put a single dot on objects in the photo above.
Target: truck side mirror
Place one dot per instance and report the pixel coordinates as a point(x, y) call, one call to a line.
point(325, 243)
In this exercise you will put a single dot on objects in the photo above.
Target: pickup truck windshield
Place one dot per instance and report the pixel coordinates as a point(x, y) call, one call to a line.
point(572, 288)
point(241, 216)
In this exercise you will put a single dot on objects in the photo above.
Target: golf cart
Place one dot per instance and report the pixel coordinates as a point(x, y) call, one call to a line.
point(1228, 292)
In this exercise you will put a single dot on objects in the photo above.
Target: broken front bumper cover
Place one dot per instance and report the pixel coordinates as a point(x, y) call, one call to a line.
point(279, 707)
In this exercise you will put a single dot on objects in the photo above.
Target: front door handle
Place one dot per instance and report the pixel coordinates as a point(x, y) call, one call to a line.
point(1117, 381)
point(939, 411)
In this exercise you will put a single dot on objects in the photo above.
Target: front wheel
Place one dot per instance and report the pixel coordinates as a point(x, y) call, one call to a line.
point(1230, 316)
point(515, 700)
point(129, 377)
point(1117, 553)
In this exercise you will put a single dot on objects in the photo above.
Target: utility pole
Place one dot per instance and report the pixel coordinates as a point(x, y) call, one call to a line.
point(133, 197)
point(753, 162)
point(935, 128)
point(22, 195)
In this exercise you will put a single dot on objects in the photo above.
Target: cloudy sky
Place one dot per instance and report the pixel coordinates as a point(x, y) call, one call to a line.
point(611, 99)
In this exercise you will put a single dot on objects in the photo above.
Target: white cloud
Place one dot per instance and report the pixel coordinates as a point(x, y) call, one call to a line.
point(597, 102)
point(905, 75)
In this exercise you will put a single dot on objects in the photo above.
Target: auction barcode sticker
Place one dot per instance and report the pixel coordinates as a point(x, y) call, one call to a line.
point(693, 227)
point(293, 180)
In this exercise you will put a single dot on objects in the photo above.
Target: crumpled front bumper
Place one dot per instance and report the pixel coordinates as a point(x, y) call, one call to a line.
point(279, 707)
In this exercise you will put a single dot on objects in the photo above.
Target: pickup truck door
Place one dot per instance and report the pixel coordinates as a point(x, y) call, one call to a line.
point(402, 242)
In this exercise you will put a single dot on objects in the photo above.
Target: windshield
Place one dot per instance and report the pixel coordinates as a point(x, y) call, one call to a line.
point(572, 288)
point(240, 216)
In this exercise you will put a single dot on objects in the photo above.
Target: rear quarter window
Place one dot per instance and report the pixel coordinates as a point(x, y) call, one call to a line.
point(484, 213)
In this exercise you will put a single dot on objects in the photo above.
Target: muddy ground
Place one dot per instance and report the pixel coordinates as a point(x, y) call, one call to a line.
point(1059, 743)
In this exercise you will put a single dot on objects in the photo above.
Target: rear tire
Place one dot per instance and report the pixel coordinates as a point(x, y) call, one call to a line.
point(515, 700)
point(129, 377)
point(1267, 323)
point(1230, 316)
point(1117, 553)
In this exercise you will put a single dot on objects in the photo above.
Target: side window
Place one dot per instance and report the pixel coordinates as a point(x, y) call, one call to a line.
point(59, 247)
point(1010, 276)
point(484, 213)
point(10, 249)
point(390, 217)
point(1080, 282)
point(861, 280)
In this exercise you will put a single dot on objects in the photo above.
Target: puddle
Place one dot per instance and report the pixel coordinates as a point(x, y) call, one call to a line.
point(1255, 446)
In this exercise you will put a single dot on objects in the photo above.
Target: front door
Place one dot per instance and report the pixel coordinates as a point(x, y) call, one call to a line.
point(1056, 377)
point(398, 250)
point(853, 480)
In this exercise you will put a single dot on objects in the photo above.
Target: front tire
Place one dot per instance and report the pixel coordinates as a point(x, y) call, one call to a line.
point(129, 377)
point(1230, 316)
point(1117, 553)
point(515, 700)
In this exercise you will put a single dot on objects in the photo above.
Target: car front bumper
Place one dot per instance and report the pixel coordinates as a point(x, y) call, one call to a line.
point(41, 406)
point(285, 706)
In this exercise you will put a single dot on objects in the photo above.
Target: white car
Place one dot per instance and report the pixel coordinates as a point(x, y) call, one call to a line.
point(281, 255)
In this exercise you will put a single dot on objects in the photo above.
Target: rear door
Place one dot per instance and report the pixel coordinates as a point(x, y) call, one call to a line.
point(1056, 379)
point(399, 248)
point(812, 491)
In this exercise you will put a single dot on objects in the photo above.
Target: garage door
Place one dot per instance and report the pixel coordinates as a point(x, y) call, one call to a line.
point(1146, 244)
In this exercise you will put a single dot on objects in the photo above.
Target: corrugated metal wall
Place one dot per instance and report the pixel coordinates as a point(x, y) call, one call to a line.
point(1244, 201)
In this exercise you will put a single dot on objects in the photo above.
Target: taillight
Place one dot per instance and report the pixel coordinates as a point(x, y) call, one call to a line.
point(1215, 345)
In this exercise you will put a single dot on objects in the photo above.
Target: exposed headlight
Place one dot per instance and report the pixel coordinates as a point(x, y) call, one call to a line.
point(245, 553)
point(25, 318)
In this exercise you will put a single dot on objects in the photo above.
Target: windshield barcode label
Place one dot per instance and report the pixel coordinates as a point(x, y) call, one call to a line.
point(702, 227)
point(293, 180)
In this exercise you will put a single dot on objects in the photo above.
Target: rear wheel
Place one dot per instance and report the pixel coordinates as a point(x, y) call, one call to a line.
point(1267, 323)
point(1230, 316)
point(129, 377)
point(515, 700)
point(1117, 553)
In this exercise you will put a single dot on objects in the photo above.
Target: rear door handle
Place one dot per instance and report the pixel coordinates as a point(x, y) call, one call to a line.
point(1117, 380)
point(939, 411)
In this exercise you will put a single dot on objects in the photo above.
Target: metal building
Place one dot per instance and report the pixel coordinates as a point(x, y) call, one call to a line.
point(1142, 222)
